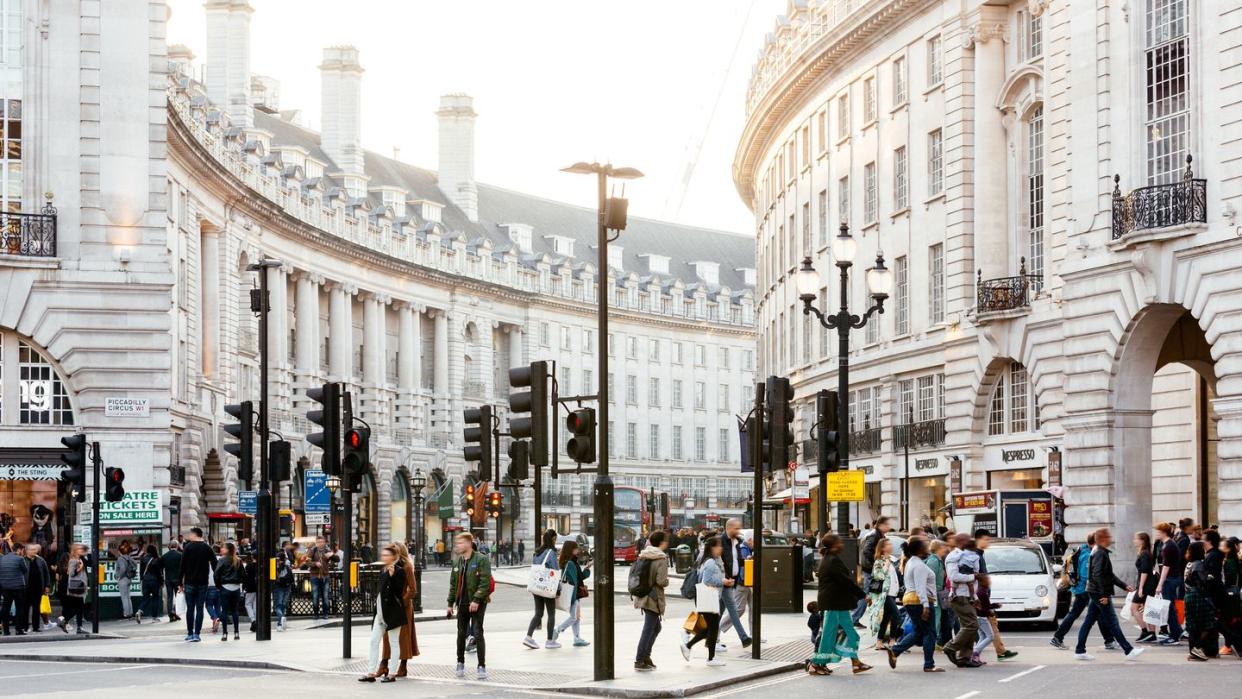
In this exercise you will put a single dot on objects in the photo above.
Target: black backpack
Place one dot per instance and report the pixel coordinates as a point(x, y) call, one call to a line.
point(640, 583)
point(687, 585)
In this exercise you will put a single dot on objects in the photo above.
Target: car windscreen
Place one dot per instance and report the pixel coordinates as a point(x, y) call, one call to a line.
point(1014, 560)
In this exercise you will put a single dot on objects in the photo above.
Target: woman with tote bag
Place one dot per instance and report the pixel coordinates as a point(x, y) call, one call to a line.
point(545, 557)
point(707, 599)
point(572, 576)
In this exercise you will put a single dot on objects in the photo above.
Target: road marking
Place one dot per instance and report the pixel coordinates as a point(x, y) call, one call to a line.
point(967, 695)
point(76, 672)
point(760, 685)
point(1011, 678)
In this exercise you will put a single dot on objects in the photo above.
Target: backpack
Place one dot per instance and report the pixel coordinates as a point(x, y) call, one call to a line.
point(639, 583)
point(687, 585)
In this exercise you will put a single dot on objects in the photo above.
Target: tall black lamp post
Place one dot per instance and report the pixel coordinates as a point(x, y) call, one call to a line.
point(418, 481)
point(879, 283)
point(612, 217)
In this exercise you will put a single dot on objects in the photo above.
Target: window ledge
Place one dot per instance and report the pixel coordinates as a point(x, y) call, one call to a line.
point(899, 106)
point(933, 199)
point(903, 211)
point(1153, 235)
point(842, 140)
point(868, 226)
point(933, 88)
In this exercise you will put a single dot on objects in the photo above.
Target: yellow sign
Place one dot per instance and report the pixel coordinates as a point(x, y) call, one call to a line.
point(846, 486)
point(353, 574)
point(271, 568)
point(748, 571)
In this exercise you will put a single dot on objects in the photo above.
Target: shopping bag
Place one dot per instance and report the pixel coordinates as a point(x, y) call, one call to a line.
point(544, 582)
point(706, 599)
point(694, 623)
point(566, 598)
point(1156, 611)
point(1129, 601)
point(45, 605)
point(179, 603)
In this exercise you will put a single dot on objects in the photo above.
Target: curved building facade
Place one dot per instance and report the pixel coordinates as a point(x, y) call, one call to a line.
point(1064, 305)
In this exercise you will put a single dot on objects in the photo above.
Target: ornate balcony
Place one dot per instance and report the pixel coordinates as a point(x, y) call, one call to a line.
point(929, 433)
point(29, 235)
point(866, 441)
point(1160, 205)
point(1007, 293)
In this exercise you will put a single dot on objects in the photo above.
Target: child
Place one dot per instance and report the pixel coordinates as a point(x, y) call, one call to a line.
point(815, 622)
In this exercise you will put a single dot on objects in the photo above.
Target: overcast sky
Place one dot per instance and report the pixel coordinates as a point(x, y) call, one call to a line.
point(554, 82)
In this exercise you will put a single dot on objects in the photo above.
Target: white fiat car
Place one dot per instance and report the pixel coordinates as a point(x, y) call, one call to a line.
point(1023, 581)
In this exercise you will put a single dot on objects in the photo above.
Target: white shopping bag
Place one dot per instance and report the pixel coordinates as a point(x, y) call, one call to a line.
point(706, 599)
point(179, 603)
point(1129, 601)
point(566, 598)
point(1156, 611)
point(543, 582)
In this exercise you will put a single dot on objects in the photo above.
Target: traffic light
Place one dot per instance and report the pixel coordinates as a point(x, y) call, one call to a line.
point(780, 421)
point(357, 455)
point(114, 484)
point(756, 446)
point(535, 402)
point(74, 457)
point(478, 438)
point(581, 424)
point(243, 432)
point(495, 502)
point(519, 460)
point(278, 462)
point(329, 420)
point(470, 499)
point(826, 431)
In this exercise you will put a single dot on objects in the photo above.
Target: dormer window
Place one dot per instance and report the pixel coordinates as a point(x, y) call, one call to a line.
point(313, 169)
point(429, 210)
point(748, 275)
point(520, 234)
point(656, 264)
point(562, 245)
point(614, 257)
point(708, 272)
point(356, 186)
point(394, 199)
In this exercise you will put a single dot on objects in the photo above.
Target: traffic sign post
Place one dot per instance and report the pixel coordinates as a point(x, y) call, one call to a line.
point(248, 502)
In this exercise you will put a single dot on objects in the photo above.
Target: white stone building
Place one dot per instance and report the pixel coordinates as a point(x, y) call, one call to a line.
point(124, 311)
point(419, 290)
point(1041, 305)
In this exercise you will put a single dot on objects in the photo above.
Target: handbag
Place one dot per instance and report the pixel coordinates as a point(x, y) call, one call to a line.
point(544, 581)
point(583, 591)
point(1156, 611)
point(566, 598)
point(694, 623)
point(45, 605)
point(706, 599)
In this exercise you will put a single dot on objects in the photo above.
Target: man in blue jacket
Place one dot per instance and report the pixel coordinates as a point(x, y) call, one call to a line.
point(1079, 572)
point(14, 574)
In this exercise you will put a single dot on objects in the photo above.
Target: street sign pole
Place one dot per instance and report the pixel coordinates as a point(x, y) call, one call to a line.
point(96, 559)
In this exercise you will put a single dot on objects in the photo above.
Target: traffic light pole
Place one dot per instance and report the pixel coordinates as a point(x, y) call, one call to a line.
point(347, 568)
point(756, 460)
point(265, 507)
point(603, 490)
point(96, 557)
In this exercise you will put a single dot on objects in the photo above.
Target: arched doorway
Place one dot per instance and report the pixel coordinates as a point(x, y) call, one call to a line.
point(399, 520)
point(1164, 433)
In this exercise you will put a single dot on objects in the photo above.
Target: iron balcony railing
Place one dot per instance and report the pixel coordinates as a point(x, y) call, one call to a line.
point(1007, 293)
point(928, 433)
point(866, 441)
point(1160, 205)
point(29, 235)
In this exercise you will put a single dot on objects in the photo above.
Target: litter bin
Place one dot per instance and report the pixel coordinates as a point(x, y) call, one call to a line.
point(683, 559)
point(782, 579)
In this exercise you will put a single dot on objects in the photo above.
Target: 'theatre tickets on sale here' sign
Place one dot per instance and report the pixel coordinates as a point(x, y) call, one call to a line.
point(138, 507)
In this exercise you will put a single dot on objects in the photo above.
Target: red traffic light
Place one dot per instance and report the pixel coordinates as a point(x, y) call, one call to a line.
point(353, 439)
point(116, 475)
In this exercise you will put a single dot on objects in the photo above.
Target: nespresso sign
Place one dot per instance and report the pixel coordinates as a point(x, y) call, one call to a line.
point(1010, 455)
point(925, 464)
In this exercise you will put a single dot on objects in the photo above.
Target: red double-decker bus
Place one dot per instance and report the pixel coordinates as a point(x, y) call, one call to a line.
point(631, 520)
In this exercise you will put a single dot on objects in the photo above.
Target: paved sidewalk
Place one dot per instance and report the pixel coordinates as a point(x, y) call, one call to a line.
point(308, 647)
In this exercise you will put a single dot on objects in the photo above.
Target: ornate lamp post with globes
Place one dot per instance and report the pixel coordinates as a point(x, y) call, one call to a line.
point(879, 283)
point(418, 481)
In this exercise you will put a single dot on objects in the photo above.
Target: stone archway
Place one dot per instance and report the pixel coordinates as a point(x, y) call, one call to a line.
point(1159, 337)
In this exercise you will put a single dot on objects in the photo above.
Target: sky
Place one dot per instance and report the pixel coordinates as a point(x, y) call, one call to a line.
point(653, 84)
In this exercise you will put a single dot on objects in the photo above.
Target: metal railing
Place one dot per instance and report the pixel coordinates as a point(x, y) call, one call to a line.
point(866, 441)
point(362, 601)
point(1160, 205)
point(928, 433)
point(29, 235)
point(1007, 293)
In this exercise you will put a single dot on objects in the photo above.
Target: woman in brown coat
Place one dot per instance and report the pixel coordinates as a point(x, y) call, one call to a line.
point(409, 639)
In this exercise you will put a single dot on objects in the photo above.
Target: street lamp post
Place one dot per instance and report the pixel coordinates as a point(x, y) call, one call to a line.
point(418, 481)
point(612, 214)
point(266, 513)
point(879, 282)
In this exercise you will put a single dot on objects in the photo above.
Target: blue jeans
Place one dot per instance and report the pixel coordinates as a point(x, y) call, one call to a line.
point(213, 602)
point(195, 595)
point(862, 603)
point(1081, 600)
point(947, 622)
point(651, 629)
point(1171, 592)
point(730, 605)
point(571, 620)
point(319, 594)
point(280, 600)
point(923, 633)
point(1107, 618)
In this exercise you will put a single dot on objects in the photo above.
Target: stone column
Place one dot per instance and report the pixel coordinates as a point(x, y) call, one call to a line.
point(374, 371)
point(517, 354)
point(341, 320)
point(991, 231)
point(487, 358)
point(1228, 461)
point(209, 297)
point(408, 362)
point(441, 379)
point(278, 336)
point(307, 320)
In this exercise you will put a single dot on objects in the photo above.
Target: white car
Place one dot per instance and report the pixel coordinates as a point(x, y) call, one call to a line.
point(1023, 581)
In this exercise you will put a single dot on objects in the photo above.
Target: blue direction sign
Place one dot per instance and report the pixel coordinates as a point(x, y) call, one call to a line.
point(318, 499)
point(248, 501)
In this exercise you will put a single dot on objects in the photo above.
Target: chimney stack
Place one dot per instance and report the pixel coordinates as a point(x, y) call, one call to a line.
point(341, 93)
point(228, 58)
point(457, 116)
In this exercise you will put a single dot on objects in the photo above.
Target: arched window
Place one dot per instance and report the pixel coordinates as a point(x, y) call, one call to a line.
point(1012, 408)
point(1035, 195)
point(31, 390)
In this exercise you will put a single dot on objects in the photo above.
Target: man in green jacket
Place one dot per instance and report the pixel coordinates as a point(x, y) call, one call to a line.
point(470, 588)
